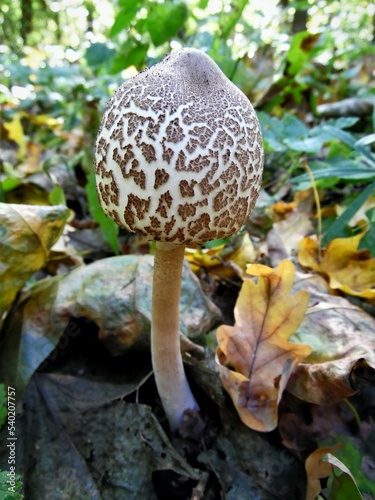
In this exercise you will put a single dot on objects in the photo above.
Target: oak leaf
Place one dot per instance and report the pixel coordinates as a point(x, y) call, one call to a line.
point(350, 270)
point(254, 357)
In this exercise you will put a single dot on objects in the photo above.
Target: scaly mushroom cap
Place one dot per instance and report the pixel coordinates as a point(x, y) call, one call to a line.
point(179, 154)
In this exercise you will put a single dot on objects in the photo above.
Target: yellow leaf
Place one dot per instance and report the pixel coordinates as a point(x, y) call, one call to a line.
point(32, 162)
point(308, 254)
point(349, 270)
point(223, 260)
point(255, 358)
point(47, 120)
point(203, 257)
point(16, 134)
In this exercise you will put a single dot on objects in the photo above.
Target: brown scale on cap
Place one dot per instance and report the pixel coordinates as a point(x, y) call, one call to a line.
point(179, 153)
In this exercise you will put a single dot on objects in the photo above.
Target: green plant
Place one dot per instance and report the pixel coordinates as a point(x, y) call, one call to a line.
point(348, 161)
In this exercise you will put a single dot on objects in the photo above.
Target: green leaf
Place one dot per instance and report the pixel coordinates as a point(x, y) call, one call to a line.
point(351, 141)
point(352, 455)
point(108, 226)
point(131, 53)
point(57, 196)
point(164, 20)
point(307, 145)
point(9, 183)
point(5, 494)
point(98, 54)
point(336, 168)
point(125, 17)
point(293, 127)
point(368, 240)
point(229, 21)
point(301, 51)
point(365, 141)
point(338, 226)
point(344, 487)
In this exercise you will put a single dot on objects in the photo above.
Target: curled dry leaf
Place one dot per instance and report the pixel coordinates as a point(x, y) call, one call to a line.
point(284, 237)
point(321, 464)
point(342, 337)
point(349, 269)
point(255, 358)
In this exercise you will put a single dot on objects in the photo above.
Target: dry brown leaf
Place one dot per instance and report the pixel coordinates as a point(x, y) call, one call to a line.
point(255, 358)
point(342, 337)
point(316, 470)
point(349, 270)
point(284, 237)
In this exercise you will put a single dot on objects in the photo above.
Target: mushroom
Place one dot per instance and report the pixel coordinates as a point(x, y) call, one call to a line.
point(178, 160)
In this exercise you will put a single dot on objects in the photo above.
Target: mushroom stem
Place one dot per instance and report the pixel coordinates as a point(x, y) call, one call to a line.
point(171, 382)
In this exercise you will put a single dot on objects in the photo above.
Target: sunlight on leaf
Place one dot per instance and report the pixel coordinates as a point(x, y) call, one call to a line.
point(350, 270)
point(44, 120)
point(255, 358)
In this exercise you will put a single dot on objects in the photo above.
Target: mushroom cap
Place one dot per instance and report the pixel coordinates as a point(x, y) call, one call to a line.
point(179, 153)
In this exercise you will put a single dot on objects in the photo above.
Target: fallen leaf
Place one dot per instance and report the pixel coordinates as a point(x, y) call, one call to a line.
point(293, 222)
point(321, 464)
point(77, 441)
point(115, 293)
point(248, 466)
point(350, 270)
point(224, 260)
point(27, 234)
point(254, 357)
point(342, 338)
point(282, 208)
point(32, 162)
point(284, 237)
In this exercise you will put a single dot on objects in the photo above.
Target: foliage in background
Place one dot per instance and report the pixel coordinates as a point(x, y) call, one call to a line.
point(51, 106)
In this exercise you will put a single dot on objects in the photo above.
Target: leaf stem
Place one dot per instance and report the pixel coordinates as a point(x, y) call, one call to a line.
point(318, 207)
